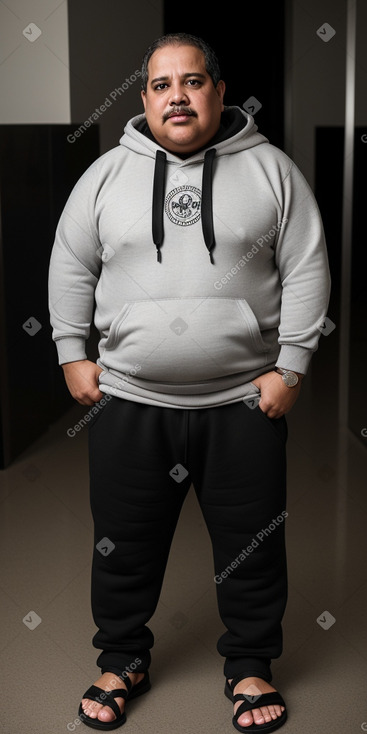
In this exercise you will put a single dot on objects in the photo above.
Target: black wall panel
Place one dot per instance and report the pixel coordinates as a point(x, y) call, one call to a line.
point(249, 42)
point(38, 168)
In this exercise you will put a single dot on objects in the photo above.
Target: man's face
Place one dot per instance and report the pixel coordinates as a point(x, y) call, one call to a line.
point(182, 106)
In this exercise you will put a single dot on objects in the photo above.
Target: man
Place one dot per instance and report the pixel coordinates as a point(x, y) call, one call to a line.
point(200, 246)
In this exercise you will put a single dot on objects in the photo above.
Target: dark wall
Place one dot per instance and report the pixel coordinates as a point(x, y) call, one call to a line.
point(249, 42)
point(107, 41)
point(329, 193)
point(37, 172)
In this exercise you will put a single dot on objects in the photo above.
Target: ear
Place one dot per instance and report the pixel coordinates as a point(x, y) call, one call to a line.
point(143, 96)
point(220, 89)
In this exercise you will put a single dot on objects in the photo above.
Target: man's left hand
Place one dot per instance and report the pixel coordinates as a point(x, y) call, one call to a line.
point(276, 398)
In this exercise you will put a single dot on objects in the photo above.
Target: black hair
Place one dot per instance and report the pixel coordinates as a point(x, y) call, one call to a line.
point(182, 39)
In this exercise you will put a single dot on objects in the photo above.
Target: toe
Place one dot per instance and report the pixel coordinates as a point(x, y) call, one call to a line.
point(264, 715)
point(245, 719)
point(97, 711)
point(259, 717)
point(106, 714)
point(254, 717)
point(272, 712)
point(91, 708)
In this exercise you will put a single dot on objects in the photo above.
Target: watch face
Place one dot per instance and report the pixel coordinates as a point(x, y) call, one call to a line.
point(290, 379)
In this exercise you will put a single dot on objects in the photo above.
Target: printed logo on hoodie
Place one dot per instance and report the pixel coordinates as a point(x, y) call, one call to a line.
point(182, 205)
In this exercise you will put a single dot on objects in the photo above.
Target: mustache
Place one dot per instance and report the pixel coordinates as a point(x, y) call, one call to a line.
point(179, 110)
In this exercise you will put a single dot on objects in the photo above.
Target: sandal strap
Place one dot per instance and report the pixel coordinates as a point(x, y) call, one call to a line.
point(266, 699)
point(125, 679)
point(127, 682)
point(107, 698)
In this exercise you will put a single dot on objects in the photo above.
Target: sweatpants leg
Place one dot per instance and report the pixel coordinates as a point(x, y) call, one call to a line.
point(135, 504)
point(237, 462)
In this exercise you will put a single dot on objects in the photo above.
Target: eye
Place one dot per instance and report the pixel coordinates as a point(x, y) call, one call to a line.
point(194, 82)
point(160, 86)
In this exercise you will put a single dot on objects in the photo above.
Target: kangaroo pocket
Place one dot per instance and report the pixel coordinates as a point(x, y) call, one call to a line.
point(185, 339)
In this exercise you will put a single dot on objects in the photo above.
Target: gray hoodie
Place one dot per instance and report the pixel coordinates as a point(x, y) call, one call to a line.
point(202, 272)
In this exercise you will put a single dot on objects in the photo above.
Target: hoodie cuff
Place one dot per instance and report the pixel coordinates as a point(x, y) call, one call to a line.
point(294, 358)
point(71, 349)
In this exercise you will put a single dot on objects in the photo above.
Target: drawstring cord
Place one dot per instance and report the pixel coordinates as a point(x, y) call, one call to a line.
point(159, 184)
point(207, 202)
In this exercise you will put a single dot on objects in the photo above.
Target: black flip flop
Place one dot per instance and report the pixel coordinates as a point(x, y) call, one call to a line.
point(94, 693)
point(266, 699)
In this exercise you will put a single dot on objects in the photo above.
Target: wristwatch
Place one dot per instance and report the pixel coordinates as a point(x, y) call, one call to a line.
point(289, 378)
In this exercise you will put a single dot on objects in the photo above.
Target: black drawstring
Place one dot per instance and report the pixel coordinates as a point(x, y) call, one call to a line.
point(158, 200)
point(159, 183)
point(207, 202)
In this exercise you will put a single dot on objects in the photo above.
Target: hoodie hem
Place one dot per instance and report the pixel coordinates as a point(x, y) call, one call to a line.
point(127, 389)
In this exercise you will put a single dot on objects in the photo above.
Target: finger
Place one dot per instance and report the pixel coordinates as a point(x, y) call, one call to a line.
point(89, 398)
point(265, 407)
point(274, 414)
point(85, 401)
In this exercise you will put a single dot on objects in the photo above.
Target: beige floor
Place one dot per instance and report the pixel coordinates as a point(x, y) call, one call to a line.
point(46, 544)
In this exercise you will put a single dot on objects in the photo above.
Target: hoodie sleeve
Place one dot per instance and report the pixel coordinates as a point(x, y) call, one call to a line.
point(74, 271)
point(302, 261)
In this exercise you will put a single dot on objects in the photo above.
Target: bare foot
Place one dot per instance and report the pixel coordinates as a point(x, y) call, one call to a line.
point(108, 682)
point(254, 687)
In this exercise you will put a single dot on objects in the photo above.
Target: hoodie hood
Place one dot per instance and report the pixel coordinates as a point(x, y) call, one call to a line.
point(238, 131)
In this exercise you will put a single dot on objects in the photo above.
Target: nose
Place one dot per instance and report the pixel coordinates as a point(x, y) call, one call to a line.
point(178, 95)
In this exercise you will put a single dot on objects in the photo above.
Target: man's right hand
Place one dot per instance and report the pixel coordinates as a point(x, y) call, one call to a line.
point(82, 380)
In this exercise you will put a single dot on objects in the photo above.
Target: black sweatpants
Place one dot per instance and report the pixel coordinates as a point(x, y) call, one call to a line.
point(143, 459)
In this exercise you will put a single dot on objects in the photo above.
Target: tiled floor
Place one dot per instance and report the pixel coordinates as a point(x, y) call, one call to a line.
point(46, 545)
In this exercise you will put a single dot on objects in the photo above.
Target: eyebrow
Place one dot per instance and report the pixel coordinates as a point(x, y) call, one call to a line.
point(165, 78)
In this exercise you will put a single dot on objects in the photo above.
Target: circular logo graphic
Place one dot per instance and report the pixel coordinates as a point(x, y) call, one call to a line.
point(182, 205)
